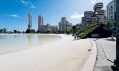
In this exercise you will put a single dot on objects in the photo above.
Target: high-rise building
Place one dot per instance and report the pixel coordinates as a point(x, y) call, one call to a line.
point(30, 30)
point(40, 22)
point(98, 7)
point(29, 21)
point(45, 28)
point(111, 11)
point(115, 6)
point(98, 16)
point(88, 17)
point(78, 26)
point(64, 24)
point(101, 14)
point(83, 21)
point(94, 19)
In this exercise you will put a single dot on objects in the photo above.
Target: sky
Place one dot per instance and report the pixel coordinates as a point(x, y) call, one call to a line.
point(14, 13)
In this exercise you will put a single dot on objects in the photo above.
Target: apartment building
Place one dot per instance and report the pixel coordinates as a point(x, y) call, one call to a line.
point(64, 24)
point(45, 28)
point(111, 10)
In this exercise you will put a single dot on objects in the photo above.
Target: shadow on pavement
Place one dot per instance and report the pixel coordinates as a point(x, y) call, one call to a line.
point(109, 39)
point(114, 68)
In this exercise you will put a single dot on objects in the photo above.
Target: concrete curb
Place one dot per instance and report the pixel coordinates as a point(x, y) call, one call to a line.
point(89, 64)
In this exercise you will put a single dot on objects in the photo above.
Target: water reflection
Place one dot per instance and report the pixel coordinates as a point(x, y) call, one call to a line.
point(16, 37)
point(2, 36)
point(15, 42)
point(45, 39)
point(42, 39)
point(30, 39)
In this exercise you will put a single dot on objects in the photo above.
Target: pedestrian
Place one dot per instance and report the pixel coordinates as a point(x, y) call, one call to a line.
point(75, 37)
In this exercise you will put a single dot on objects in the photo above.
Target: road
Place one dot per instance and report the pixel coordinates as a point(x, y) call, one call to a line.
point(106, 50)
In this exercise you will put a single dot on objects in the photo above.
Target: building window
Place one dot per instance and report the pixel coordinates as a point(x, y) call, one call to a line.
point(111, 18)
point(111, 8)
point(111, 12)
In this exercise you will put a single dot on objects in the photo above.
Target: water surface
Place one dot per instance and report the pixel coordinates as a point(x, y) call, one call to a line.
point(16, 42)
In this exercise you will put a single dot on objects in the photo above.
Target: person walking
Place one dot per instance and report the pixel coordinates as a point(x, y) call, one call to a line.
point(75, 37)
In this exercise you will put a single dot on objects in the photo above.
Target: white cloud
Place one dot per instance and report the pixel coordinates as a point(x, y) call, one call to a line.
point(31, 5)
point(93, 1)
point(16, 16)
point(24, 2)
point(76, 15)
point(28, 3)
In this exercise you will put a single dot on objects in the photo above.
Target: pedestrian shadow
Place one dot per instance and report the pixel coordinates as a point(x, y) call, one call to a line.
point(109, 39)
point(114, 68)
point(76, 39)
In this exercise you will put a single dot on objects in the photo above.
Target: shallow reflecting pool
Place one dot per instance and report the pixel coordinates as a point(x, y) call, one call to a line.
point(16, 42)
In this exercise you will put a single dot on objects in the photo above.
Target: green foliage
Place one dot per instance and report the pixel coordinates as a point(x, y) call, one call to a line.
point(111, 23)
point(4, 30)
point(48, 31)
point(84, 32)
point(87, 27)
point(15, 31)
point(68, 31)
point(54, 31)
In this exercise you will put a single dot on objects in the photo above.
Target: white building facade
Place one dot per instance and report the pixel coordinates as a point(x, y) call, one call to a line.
point(111, 9)
point(64, 24)
point(94, 19)
point(45, 28)
point(29, 21)
point(40, 22)
point(88, 17)
point(29, 29)
point(99, 12)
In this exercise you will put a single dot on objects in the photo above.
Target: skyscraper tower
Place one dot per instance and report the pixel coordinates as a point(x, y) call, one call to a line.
point(29, 21)
point(30, 30)
point(40, 21)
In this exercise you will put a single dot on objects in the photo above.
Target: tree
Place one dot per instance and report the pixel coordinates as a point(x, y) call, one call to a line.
point(48, 31)
point(15, 31)
point(111, 23)
point(0, 30)
point(74, 29)
point(4, 30)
